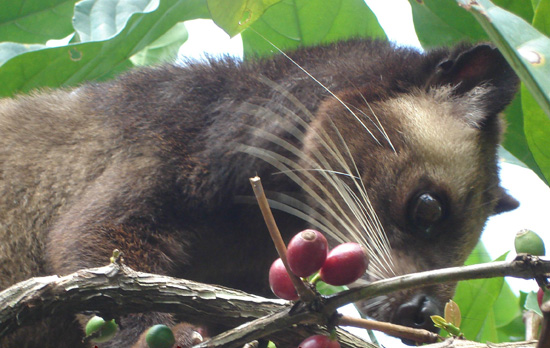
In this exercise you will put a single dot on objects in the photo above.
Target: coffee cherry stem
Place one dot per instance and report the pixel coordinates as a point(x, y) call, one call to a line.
point(315, 278)
point(305, 293)
point(417, 335)
point(333, 336)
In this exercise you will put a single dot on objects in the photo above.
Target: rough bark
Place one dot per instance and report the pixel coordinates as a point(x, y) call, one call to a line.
point(115, 290)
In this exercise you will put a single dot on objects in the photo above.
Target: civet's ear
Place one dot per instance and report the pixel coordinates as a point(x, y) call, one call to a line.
point(482, 65)
point(505, 202)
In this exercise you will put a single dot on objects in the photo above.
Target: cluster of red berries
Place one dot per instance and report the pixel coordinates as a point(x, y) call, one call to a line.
point(308, 253)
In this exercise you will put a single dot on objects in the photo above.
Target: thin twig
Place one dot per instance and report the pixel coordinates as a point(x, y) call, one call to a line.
point(417, 335)
point(532, 325)
point(527, 267)
point(305, 293)
point(544, 339)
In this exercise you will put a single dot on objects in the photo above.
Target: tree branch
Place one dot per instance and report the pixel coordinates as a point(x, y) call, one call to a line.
point(116, 290)
point(524, 266)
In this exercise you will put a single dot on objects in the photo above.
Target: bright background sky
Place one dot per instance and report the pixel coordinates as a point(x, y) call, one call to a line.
point(523, 184)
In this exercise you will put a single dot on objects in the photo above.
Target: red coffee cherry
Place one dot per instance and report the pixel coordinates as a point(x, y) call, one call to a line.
point(344, 264)
point(319, 341)
point(307, 252)
point(280, 282)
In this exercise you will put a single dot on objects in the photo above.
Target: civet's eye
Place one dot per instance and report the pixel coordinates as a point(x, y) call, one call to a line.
point(425, 211)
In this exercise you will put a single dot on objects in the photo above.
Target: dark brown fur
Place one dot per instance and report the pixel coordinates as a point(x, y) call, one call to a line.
point(156, 162)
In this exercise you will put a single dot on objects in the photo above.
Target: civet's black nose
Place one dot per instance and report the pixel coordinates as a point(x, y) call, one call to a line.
point(416, 314)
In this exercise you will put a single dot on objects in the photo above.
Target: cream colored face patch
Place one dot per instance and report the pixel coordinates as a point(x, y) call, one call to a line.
point(436, 126)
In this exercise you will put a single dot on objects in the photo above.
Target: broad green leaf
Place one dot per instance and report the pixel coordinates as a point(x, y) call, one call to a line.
point(537, 131)
point(97, 20)
point(537, 126)
point(513, 331)
point(75, 63)
point(35, 21)
point(163, 49)
point(541, 21)
point(488, 332)
point(236, 15)
point(506, 307)
point(477, 297)
point(515, 141)
point(532, 304)
point(294, 23)
point(8, 50)
point(519, 7)
point(478, 255)
point(490, 309)
point(444, 22)
point(528, 52)
point(525, 48)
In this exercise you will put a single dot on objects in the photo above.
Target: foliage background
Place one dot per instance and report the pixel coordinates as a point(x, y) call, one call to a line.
point(108, 37)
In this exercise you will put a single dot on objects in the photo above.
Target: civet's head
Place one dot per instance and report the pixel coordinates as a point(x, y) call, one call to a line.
point(411, 171)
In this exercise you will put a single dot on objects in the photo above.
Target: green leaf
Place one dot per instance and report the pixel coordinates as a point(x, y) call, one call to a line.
point(8, 50)
point(75, 63)
point(513, 331)
point(532, 304)
point(490, 309)
point(525, 48)
point(97, 20)
point(327, 289)
point(515, 140)
point(444, 22)
point(236, 15)
point(541, 21)
point(294, 23)
point(488, 333)
point(519, 7)
point(35, 21)
point(476, 299)
point(537, 131)
point(163, 49)
point(506, 307)
point(528, 51)
point(508, 316)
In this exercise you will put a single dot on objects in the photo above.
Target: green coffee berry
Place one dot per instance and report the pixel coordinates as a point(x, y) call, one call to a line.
point(160, 336)
point(101, 329)
point(528, 242)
